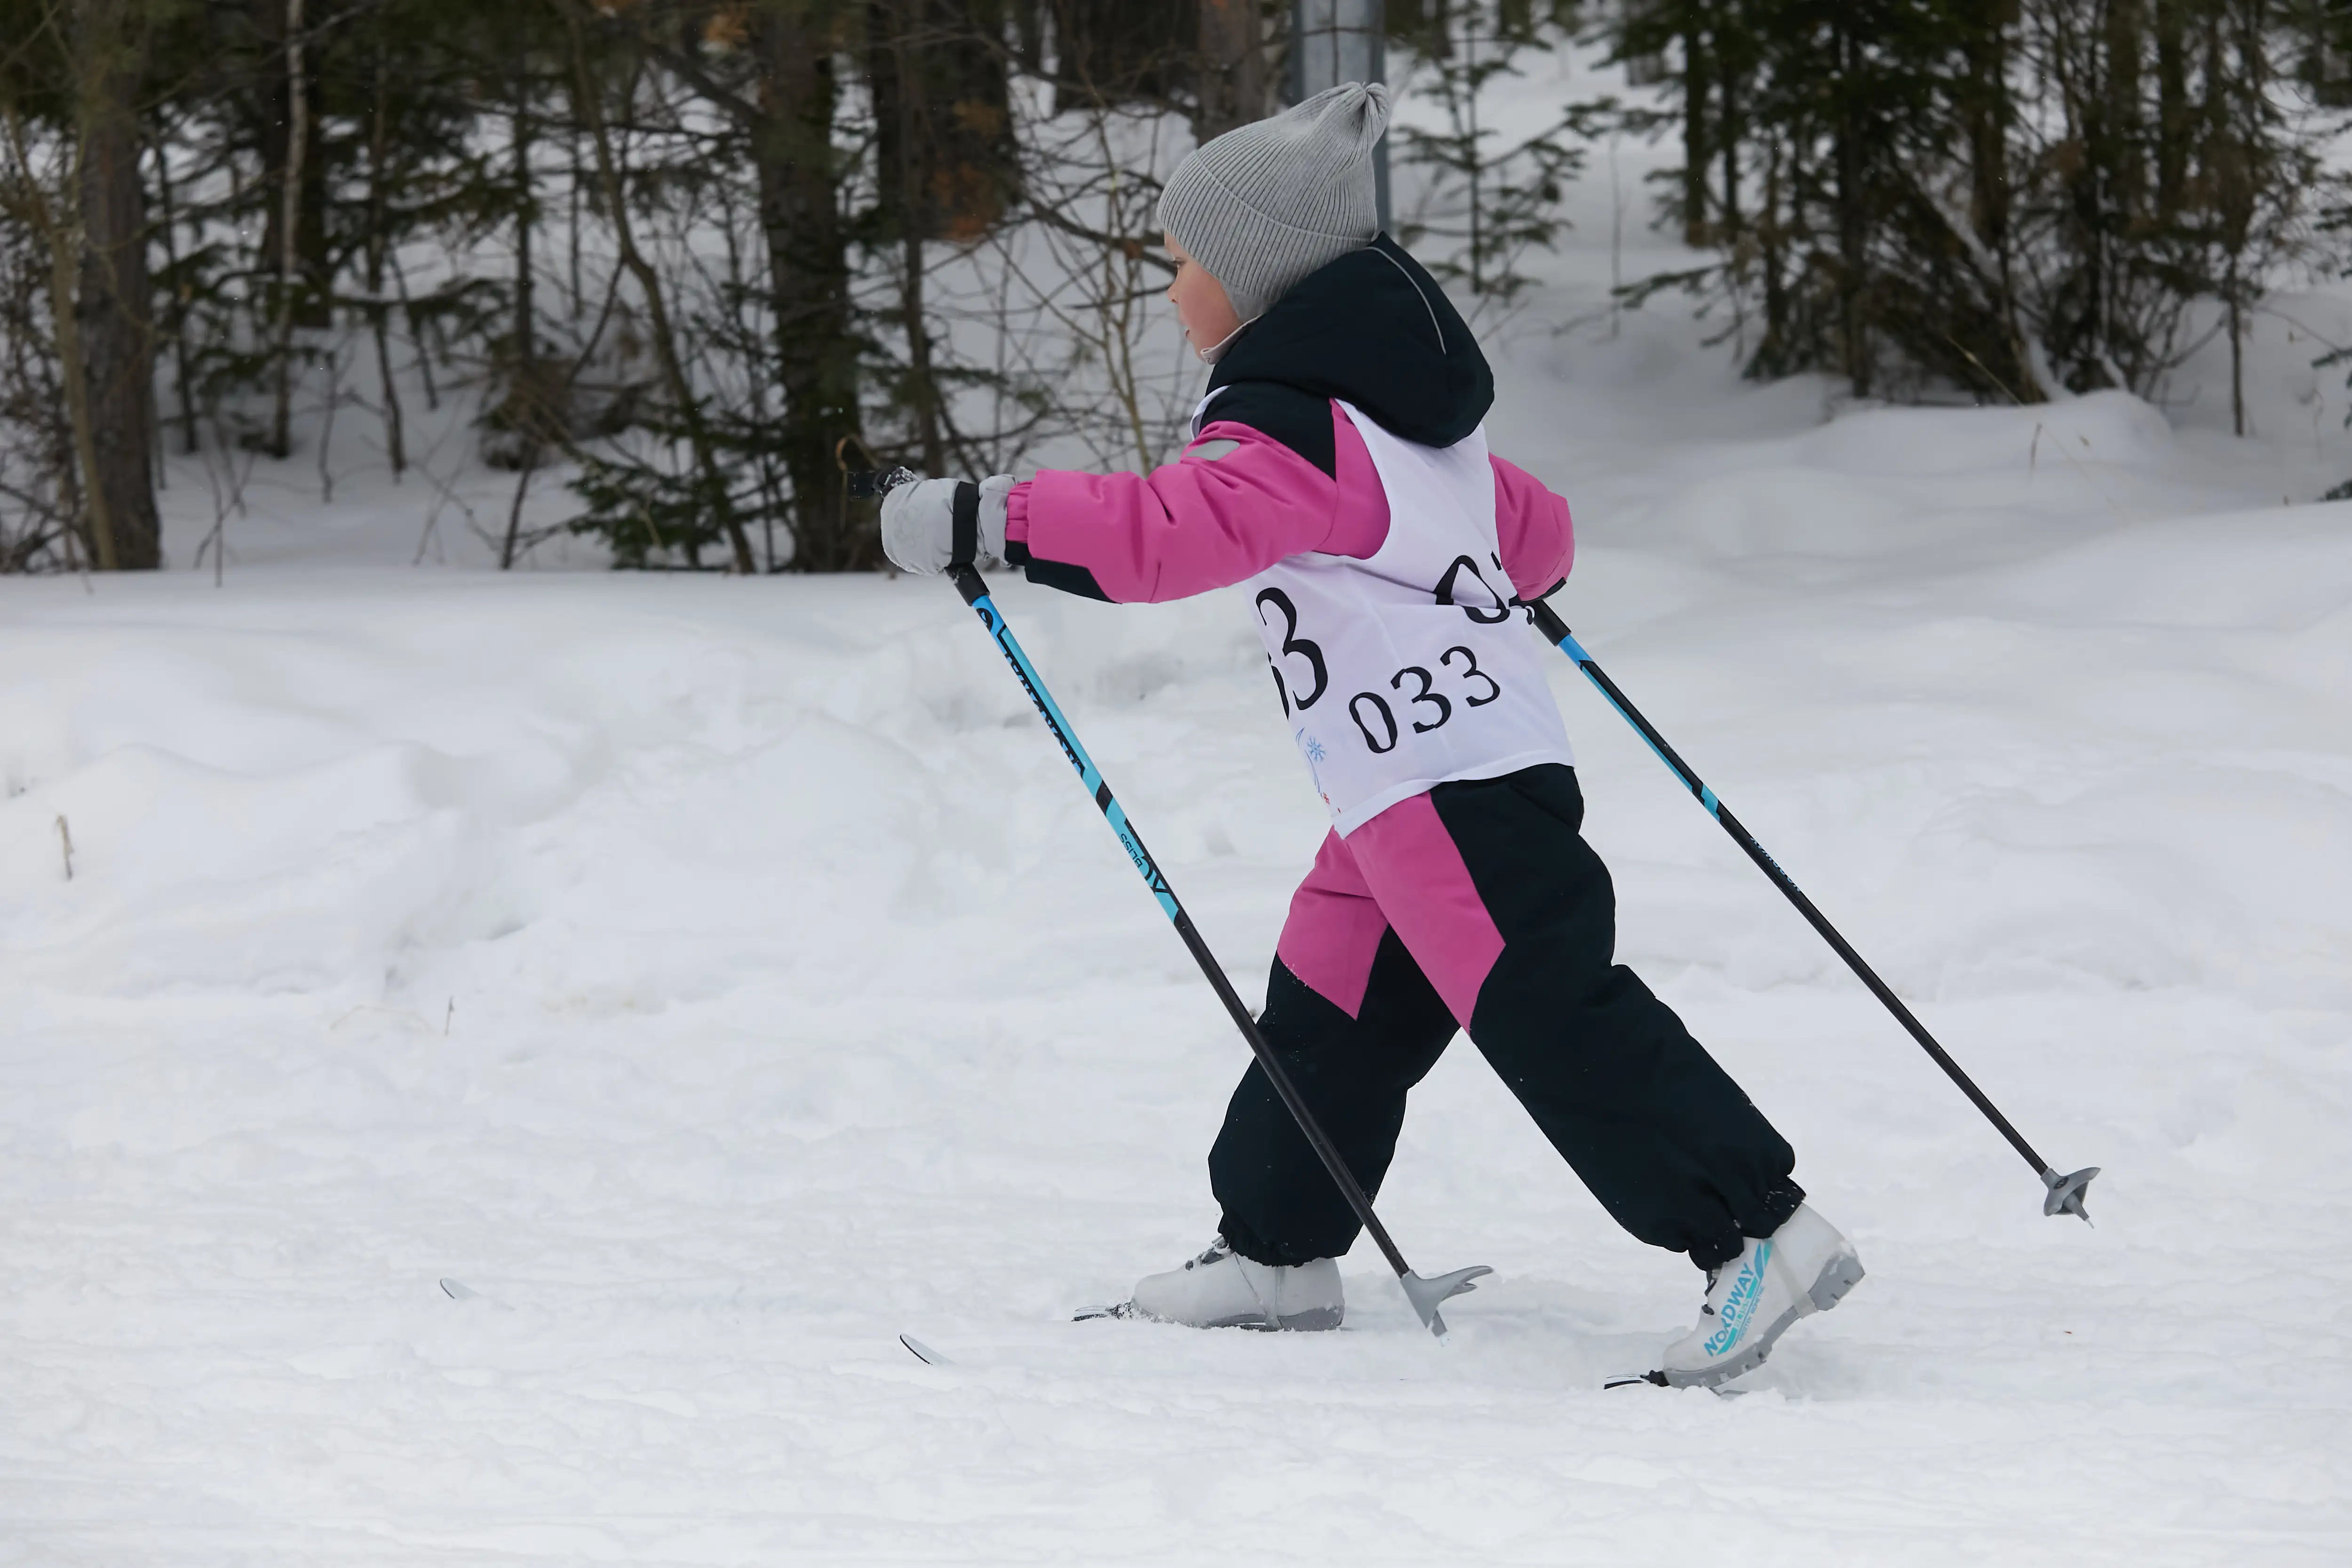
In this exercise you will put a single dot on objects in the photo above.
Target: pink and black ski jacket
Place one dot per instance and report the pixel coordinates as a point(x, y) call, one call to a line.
point(1276, 469)
point(1280, 472)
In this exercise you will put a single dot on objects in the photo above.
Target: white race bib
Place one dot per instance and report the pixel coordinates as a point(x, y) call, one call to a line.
point(1411, 667)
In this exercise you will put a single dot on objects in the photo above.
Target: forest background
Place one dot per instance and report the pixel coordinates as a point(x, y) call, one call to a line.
point(693, 260)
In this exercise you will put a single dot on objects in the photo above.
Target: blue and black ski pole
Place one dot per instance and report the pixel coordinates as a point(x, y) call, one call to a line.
point(2064, 1193)
point(1424, 1294)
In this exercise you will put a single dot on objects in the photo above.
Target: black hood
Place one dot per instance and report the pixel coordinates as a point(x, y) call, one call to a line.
point(1373, 328)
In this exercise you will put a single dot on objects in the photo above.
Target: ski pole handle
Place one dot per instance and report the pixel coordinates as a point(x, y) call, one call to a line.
point(872, 484)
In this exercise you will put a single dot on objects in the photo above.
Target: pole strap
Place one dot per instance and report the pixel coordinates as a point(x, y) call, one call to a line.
point(963, 536)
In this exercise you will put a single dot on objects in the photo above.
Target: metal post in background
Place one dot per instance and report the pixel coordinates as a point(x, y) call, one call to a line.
point(1332, 41)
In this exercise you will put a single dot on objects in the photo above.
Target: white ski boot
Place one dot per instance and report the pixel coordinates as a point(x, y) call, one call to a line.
point(1223, 1289)
point(1803, 1268)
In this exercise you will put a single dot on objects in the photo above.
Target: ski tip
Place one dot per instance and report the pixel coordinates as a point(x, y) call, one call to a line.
point(923, 1352)
point(459, 1290)
point(1110, 1309)
point(1628, 1379)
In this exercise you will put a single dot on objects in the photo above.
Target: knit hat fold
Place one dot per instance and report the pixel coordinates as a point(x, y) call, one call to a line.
point(1267, 203)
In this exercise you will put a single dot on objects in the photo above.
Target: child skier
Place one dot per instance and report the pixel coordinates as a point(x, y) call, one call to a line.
point(1339, 467)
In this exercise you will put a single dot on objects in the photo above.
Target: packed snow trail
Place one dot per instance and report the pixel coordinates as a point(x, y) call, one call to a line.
point(722, 978)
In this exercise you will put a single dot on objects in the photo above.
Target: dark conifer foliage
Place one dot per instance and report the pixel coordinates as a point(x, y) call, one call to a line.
point(689, 251)
point(1485, 200)
point(1116, 50)
point(694, 259)
point(2013, 197)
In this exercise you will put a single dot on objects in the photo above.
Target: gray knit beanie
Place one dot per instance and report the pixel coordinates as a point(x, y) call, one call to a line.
point(1266, 203)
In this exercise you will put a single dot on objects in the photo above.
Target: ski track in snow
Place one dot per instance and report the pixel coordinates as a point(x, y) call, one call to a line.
point(722, 978)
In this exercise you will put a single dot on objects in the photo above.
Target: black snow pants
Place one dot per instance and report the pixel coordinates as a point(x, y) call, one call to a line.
point(1480, 905)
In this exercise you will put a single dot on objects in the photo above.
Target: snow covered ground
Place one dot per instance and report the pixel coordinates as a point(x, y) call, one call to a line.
point(721, 977)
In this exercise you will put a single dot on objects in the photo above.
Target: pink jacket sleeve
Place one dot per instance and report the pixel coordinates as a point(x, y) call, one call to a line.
point(1238, 500)
point(1537, 540)
point(1235, 503)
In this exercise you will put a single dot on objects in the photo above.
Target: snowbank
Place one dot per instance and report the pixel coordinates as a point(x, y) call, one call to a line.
point(722, 977)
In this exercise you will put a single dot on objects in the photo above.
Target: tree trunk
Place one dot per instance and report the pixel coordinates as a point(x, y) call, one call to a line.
point(1233, 89)
point(2237, 352)
point(1696, 75)
point(1985, 120)
point(379, 240)
point(1852, 218)
point(589, 108)
point(2118, 168)
point(1772, 354)
point(923, 389)
point(1727, 131)
point(945, 157)
point(1120, 51)
point(274, 101)
point(808, 271)
point(114, 316)
point(897, 42)
point(2126, 32)
point(2173, 121)
point(60, 233)
point(179, 308)
point(288, 227)
point(527, 397)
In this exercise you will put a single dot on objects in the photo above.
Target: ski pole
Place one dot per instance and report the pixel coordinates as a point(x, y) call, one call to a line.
point(2066, 1193)
point(1424, 1294)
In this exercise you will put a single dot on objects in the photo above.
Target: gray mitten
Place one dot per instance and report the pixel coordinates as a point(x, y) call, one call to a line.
point(918, 523)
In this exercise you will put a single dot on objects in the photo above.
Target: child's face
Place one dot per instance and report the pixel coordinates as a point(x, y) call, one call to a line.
point(1208, 317)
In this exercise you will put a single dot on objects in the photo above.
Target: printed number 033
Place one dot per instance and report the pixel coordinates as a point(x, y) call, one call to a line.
point(1426, 708)
point(1377, 722)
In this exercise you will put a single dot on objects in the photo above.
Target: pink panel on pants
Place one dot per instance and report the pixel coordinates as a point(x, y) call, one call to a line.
point(1418, 876)
point(1334, 928)
point(1401, 868)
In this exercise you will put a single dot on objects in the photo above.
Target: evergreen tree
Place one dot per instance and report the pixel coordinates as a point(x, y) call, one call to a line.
point(2018, 196)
